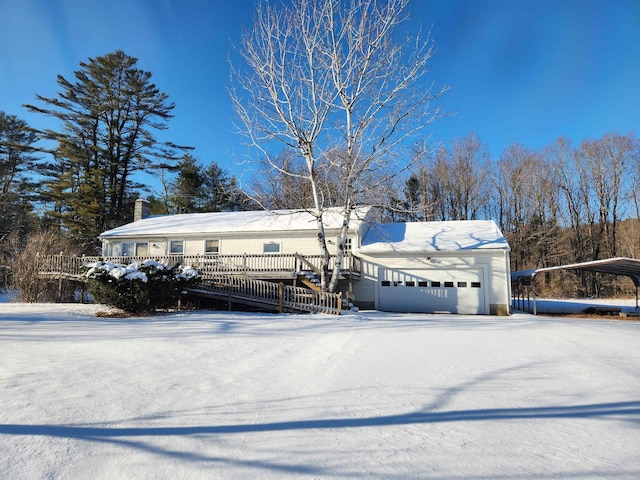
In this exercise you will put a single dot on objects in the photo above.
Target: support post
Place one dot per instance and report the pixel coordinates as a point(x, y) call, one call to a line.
point(280, 297)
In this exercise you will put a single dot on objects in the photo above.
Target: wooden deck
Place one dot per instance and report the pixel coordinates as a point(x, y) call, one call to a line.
point(232, 278)
point(276, 266)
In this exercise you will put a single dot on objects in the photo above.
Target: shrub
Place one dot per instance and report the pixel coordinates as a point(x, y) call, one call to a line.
point(24, 281)
point(140, 287)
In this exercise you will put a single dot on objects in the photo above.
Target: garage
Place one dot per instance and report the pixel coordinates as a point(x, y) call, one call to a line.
point(459, 267)
point(432, 291)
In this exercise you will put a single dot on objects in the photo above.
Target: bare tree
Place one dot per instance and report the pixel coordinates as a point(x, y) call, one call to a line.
point(561, 158)
point(327, 79)
point(605, 170)
point(468, 184)
point(525, 204)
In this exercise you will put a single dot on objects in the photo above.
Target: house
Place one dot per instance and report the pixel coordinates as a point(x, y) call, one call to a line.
point(455, 266)
point(277, 232)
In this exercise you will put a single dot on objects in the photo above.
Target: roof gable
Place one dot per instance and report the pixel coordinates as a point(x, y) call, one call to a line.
point(234, 222)
point(416, 237)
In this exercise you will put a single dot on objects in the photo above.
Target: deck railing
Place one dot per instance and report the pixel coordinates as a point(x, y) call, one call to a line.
point(224, 274)
point(209, 265)
point(281, 297)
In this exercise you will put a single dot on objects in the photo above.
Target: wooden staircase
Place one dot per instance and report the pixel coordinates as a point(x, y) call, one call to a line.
point(310, 279)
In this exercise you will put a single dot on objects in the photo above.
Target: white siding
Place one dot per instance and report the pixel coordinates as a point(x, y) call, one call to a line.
point(493, 265)
point(305, 243)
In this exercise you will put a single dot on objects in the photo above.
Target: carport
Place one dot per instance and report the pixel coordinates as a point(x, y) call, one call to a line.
point(628, 267)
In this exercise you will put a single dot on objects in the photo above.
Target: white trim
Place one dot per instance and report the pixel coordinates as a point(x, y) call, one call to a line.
point(169, 244)
point(265, 252)
point(212, 240)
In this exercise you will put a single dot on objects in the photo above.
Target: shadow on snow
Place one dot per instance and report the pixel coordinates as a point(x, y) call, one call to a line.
point(628, 410)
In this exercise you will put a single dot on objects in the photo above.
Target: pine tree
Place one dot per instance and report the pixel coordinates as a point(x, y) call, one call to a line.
point(188, 196)
point(222, 192)
point(211, 189)
point(109, 115)
point(16, 159)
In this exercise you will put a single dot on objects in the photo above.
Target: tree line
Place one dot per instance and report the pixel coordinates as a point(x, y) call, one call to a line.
point(559, 205)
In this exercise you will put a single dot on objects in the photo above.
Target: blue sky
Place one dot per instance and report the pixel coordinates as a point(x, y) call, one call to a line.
point(521, 71)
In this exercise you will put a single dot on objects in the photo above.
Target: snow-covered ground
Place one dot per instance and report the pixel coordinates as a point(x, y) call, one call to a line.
point(368, 395)
point(576, 306)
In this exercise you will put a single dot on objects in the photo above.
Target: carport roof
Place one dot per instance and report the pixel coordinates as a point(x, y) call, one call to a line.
point(629, 267)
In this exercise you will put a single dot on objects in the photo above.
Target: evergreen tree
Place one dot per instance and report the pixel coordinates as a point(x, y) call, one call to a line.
point(16, 159)
point(188, 196)
point(222, 192)
point(209, 189)
point(109, 115)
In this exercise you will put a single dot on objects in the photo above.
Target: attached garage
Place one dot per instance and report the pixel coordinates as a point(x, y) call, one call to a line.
point(432, 291)
point(432, 267)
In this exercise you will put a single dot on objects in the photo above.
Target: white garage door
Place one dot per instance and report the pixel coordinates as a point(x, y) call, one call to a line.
point(430, 291)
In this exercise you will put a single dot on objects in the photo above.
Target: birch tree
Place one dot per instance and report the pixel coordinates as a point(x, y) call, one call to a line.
point(332, 82)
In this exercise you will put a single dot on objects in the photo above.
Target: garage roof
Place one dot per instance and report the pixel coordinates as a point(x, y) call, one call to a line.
point(426, 237)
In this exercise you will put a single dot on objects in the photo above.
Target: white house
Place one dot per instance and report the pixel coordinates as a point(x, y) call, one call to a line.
point(456, 266)
point(230, 233)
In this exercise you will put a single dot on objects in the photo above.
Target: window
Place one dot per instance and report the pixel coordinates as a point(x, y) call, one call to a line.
point(133, 249)
point(114, 248)
point(396, 284)
point(347, 246)
point(128, 249)
point(475, 284)
point(271, 247)
point(448, 284)
point(410, 284)
point(386, 283)
point(435, 284)
point(423, 284)
point(212, 247)
point(176, 247)
point(142, 249)
point(462, 284)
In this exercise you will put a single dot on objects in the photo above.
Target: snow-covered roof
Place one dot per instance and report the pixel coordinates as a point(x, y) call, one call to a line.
point(416, 237)
point(232, 222)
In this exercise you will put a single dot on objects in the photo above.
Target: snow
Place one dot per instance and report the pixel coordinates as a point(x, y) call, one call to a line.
point(369, 395)
point(132, 271)
point(233, 222)
point(575, 306)
point(417, 237)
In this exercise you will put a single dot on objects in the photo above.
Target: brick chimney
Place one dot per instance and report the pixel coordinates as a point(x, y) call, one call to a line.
point(142, 209)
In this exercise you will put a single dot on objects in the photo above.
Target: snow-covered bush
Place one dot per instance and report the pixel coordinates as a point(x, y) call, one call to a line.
point(139, 287)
